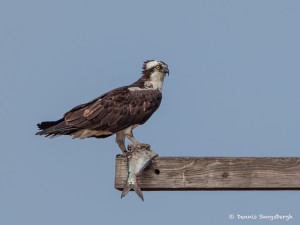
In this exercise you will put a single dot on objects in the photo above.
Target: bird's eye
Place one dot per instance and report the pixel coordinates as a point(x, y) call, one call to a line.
point(158, 67)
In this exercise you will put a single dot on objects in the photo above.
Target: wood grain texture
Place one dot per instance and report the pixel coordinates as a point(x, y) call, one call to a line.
point(215, 173)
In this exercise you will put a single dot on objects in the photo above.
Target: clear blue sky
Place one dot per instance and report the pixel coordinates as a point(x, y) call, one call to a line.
point(233, 90)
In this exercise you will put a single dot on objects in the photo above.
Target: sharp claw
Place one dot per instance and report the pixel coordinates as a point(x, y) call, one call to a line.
point(146, 146)
point(138, 146)
point(130, 147)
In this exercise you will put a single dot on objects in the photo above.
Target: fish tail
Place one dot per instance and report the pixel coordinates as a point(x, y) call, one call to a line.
point(132, 185)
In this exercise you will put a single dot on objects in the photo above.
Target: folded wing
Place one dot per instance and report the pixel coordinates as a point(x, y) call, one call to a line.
point(105, 115)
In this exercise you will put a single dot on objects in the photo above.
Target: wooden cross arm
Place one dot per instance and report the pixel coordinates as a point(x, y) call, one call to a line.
point(215, 173)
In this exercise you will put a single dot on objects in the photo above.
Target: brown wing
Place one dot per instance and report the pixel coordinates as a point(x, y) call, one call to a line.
point(115, 111)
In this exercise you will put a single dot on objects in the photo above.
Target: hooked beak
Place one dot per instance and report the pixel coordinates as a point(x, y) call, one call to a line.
point(166, 70)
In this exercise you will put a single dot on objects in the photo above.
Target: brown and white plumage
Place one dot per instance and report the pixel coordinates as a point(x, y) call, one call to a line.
point(116, 112)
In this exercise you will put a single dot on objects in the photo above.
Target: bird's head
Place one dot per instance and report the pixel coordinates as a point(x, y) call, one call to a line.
point(154, 72)
point(155, 66)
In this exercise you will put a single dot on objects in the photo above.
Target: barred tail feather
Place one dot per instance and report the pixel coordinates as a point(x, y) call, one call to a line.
point(54, 128)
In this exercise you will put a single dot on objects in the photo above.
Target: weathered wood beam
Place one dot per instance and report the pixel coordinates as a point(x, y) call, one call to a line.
point(215, 173)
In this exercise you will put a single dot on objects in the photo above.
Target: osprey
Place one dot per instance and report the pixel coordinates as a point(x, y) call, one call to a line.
point(118, 111)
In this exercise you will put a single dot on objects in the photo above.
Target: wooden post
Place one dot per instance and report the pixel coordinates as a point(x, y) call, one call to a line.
point(215, 173)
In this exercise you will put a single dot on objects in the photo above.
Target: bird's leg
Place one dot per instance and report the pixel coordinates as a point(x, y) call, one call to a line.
point(135, 143)
point(120, 139)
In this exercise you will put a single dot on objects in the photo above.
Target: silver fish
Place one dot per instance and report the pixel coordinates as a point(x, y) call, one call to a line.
point(137, 161)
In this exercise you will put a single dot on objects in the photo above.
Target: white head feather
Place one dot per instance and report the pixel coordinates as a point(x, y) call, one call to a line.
point(151, 64)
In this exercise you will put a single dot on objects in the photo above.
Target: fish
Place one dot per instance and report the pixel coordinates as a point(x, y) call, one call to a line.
point(137, 160)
